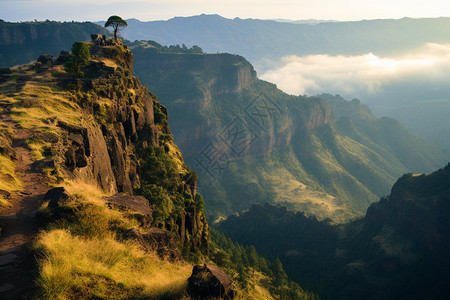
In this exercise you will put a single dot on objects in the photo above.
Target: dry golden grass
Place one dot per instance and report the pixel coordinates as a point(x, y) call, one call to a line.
point(8, 178)
point(37, 148)
point(3, 201)
point(74, 267)
point(109, 62)
point(86, 191)
point(100, 213)
point(55, 104)
point(175, 153)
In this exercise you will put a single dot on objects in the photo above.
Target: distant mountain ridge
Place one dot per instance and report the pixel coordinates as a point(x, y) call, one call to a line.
point(265, 42)
point(23, 42)
point(266, 39)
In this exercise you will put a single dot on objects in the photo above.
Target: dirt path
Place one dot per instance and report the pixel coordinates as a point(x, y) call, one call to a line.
point(19, 223)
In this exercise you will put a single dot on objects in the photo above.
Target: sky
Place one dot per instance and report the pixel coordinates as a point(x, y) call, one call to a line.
point(146, 10)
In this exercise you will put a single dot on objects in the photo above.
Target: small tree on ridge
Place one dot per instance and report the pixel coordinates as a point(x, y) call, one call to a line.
point(117, 23)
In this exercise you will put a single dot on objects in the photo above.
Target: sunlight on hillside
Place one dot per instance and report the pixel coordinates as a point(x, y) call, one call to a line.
point(92, 268)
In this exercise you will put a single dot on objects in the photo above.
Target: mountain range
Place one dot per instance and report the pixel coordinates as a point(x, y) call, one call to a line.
point(411, 97)
point(260, 40)
point(23, 42)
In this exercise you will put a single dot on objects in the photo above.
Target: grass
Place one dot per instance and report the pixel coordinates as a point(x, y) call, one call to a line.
point(86, 191)
point(55, 104)
point(76, 267)
point(3, 201)
point(80, 256)
point(8, 178)
point(39, 149)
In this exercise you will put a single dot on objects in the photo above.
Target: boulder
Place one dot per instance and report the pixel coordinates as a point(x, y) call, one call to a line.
point(163, 242)
point(45, 58)
point(76, 139)
point(57, 197)
point(48, 137)
point(41, 165)
point(159, 240)
point(70, 160)
point(137, 204)
point(96, 38)
point(210, 282)
point(63, 57)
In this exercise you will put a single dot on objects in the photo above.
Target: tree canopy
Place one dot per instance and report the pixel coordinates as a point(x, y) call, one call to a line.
point(117, 23)
point(81, 56)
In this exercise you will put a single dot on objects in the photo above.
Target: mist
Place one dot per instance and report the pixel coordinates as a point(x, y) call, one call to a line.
point(420, 75)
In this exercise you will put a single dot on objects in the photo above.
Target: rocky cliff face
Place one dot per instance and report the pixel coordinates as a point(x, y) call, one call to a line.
point(209, 80)
point(122, 127)
point(323, 155)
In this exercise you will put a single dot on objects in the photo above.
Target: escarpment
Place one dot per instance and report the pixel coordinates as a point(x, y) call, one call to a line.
point(294, 150)
point(115, 135)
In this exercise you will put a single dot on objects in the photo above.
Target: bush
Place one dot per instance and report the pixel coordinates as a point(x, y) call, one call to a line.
point(81, 56)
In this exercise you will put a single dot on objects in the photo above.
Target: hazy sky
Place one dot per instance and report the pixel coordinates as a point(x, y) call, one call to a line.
point(83, 10)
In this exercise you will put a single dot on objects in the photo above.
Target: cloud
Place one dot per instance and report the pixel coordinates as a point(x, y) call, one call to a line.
point(365, 76)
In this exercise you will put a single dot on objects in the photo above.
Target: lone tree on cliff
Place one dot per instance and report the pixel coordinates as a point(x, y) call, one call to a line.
point(117, 23)
point(80, 58)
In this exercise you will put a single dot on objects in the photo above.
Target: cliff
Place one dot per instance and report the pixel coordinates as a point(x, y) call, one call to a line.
point(252, 143)
point(92, 158)
point(399, 250)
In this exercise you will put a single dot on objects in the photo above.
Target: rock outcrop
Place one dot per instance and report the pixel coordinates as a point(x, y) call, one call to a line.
point(158, 240)
point(120, 122)
point(138, 206)
point(57, 197)
point(210, 282)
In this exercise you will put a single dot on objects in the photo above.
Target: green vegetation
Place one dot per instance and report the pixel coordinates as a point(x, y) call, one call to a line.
point(39, 149)
point(399, 250)
point(244, 262)
point(81, 56)
point(28, 40)
point(117, 23)
point(152, 45)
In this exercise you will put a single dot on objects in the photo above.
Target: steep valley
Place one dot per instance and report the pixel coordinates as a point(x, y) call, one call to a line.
point(252, 143)
point(398, 250)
